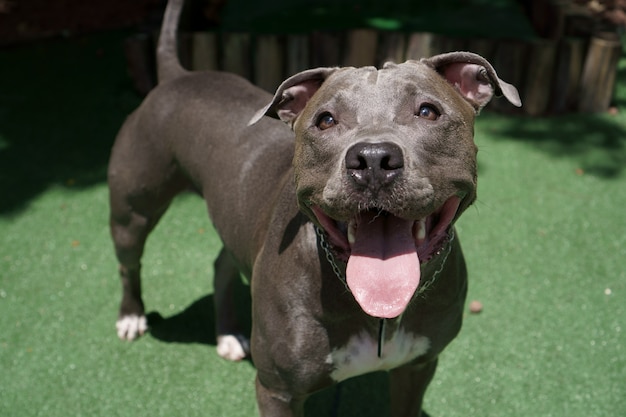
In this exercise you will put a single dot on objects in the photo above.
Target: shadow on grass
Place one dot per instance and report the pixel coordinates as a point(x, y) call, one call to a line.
point(195, 324)
point(596, 142)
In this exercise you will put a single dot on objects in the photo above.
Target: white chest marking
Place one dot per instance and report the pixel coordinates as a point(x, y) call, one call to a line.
point(360, 354)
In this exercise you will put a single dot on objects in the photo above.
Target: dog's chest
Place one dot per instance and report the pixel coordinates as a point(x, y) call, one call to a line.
point(360, 354)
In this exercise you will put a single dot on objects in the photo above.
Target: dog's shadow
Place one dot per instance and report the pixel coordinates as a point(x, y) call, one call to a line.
point(362, 396)
point(195, 324)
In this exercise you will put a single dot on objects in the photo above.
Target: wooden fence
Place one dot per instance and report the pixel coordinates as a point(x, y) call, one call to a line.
point(553, 76)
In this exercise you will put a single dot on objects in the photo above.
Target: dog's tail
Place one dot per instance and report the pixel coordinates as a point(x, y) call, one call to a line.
point(168, 64)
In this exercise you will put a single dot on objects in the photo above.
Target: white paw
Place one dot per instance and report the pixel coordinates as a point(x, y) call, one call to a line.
point(131, 327)
point(233, 347)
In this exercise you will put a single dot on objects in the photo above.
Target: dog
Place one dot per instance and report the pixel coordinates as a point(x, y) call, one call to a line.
point(336, 197)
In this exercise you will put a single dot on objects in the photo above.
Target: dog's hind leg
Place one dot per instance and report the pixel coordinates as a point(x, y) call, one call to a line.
point(231, 343)
point(129, 230)
point(140, 191)
point(129, 234)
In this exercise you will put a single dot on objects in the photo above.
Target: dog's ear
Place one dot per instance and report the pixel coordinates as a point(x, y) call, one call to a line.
point(293, 94)
point(474, 78)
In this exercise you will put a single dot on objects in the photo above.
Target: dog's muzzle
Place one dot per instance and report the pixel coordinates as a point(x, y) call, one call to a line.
point(383, 253)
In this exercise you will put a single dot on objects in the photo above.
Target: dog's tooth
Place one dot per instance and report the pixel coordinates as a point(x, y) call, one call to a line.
point(421, 233)
point(351, 232)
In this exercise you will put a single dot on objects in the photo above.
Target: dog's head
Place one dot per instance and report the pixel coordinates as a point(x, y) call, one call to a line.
point(385, 163)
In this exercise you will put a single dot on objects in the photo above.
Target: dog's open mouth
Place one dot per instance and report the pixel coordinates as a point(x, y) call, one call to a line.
point(383, 253)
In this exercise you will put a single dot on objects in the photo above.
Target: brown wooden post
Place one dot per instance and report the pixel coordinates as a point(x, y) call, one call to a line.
point(392, 48)
point(483, 47)
point(204, 51)
point(236, 54)
point(185, 52)
point(361, 47)
point(567, 73)
point(325, 49)
point(419, 45)
point(438, 45)
point(298, 54)
point(452, 44)
point(539, 74)
point(599, 71)
point(269, 60)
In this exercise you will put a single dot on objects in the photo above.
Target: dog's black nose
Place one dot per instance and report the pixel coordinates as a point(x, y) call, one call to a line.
point(374, 165)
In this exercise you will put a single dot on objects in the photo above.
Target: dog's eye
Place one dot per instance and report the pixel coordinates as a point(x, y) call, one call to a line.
point(325, 121)
point(428, 112)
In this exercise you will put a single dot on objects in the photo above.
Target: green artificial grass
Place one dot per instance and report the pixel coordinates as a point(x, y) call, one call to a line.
point(545, 246)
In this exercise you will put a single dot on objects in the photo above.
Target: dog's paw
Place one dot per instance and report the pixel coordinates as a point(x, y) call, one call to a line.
point(233, 347)
point(131, 327)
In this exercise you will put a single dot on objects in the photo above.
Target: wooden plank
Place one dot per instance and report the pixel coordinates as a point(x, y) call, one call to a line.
point(325, 49)
point(539, 75)
point(392, 48)
point(204, 51)
point(361, 47)
point(437, 46)
point(483, 47)
point(567, 74)
point(450, 44)
point(419, 45)
point(185, 52)
point(236, 54)
point(599, 72)
point(269, 60)
point(298, 54)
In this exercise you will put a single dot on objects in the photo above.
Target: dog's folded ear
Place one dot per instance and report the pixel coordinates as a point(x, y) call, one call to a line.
point(474, 78)
point(293, 94)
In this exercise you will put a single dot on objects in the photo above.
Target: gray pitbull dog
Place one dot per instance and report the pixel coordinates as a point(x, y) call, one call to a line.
point(341, 213)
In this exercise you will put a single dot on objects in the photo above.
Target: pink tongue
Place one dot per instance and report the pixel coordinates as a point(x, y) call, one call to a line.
point(383, 271)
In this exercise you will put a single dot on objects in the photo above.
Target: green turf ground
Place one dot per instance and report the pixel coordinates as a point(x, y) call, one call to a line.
point(545, 243)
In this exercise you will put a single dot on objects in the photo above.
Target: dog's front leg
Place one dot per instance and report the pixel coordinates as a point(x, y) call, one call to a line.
point(407, 385)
